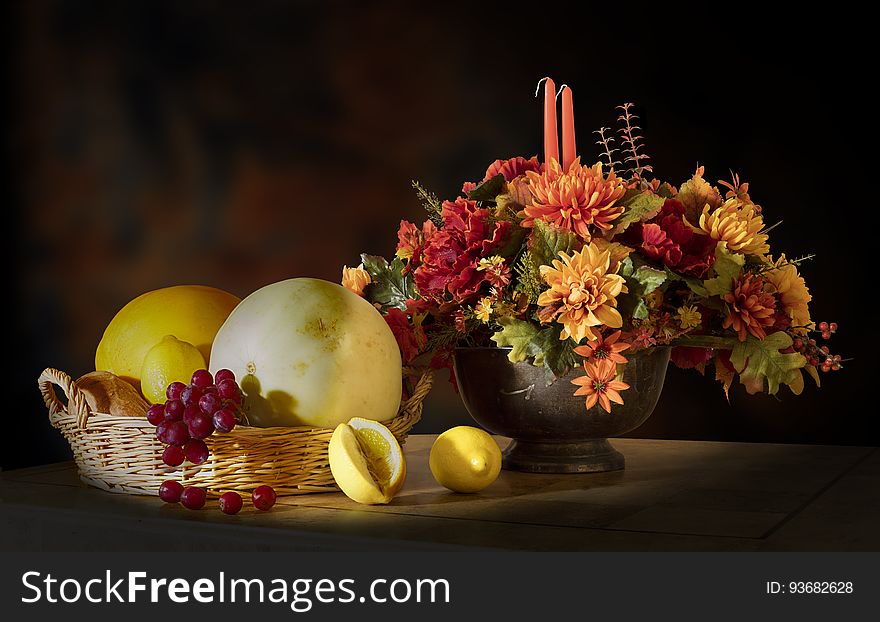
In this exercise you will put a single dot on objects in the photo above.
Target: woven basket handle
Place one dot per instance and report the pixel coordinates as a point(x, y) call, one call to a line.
point(76, 401)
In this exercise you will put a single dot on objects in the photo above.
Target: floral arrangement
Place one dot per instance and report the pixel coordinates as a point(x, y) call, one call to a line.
point(576, 267)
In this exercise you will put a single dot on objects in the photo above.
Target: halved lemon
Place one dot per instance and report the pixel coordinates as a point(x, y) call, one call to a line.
point(366, 461)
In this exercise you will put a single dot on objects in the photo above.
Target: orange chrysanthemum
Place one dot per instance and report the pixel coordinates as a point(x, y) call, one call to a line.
point(576, 199)
point(583, 293)
point(599, 384)
point(739, 224)
point(608, 349)
point(791, 290)
point(749, 307)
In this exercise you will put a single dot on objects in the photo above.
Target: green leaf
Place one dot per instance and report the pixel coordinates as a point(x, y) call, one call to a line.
point(389, 287)
point(542, 345)
point(518, 335)
point(641, 280)
point(554, 354)
point(488, 190)
point(694, 195)
point(639, 206)
point(728, 266)
point(648, 279)
point(548, 241)
point(757, 360)
point(695, 285)
point(665, 191)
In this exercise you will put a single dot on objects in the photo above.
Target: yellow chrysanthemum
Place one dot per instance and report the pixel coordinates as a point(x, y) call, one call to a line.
point(689, 317)
point(583, 293)
point(791, 290)
point(355, 279)
point(737, 223)
point(483, 310)
point(575, 199)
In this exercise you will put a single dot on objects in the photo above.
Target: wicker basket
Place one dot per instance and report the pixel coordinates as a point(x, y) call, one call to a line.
point(122, 454)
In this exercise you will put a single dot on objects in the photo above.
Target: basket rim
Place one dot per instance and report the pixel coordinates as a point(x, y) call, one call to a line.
point(60, 414)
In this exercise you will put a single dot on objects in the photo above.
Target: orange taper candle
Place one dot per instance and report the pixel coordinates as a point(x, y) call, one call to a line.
point(551, 136)
point(569, 149)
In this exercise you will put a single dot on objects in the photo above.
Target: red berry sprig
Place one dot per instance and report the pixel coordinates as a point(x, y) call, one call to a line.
point(816, 355)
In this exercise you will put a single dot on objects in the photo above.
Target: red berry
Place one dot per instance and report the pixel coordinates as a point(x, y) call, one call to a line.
point(224, 420)
point(174, 389)
point(836, 358)
point(196, 451)
point(835, 367)
point(202, 378)
point(210, 403)
point(223, 374)
point(190, 396)
point(824, 349)
point(156, 414)
point(812, 342)
point(826, 367)
point(833, 327)
point(826, 335)
point(798, 343)
point(174, 410)
point(823, 326)
point(201, 426)
point(230, 503)
point(172, 433)
point(170, 491)
point(193, 498)
point(263, 498)
point(813, 361)
point(173, 455)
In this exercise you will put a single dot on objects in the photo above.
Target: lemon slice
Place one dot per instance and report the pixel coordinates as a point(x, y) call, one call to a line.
point(366, 461)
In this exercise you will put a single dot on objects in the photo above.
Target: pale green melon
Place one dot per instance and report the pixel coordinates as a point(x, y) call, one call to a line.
point(310, 352)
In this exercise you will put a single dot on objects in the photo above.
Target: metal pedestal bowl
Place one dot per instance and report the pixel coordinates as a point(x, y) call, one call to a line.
point(552, 430)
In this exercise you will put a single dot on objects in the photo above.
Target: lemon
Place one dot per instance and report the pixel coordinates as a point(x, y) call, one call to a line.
point(366, 461)
point(192, 313)
point(170, 360)
point(465, 459)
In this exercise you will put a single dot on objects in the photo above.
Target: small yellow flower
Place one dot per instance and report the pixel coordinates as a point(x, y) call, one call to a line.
point(689, 317)
point(495, 262)
point(355, 279)
point(483, 310)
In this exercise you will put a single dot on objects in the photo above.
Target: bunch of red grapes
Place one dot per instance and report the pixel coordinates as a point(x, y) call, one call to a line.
point(192, 413)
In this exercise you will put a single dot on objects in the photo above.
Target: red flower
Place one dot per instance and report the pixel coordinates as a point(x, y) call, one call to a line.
point(669, 238)
point(408, 340)
point(511, 169)
point(687, 357)
point(411, 242)
point(452, 255)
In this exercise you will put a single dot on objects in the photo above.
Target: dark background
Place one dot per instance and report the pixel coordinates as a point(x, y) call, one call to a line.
point(235, 145)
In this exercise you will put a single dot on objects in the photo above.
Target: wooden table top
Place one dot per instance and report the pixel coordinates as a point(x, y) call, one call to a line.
point(673, 495)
